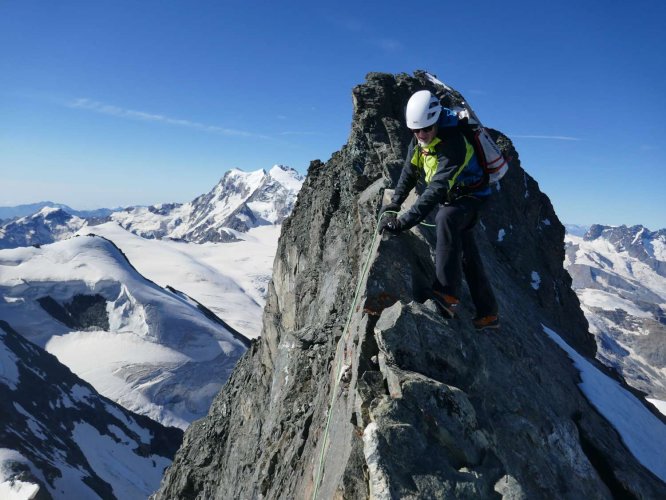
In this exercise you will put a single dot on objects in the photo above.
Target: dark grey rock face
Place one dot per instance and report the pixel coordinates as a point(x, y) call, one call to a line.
point(382, 397)
point(82, 312)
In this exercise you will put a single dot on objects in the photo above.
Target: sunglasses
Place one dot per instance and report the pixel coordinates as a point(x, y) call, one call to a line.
point(424, 129)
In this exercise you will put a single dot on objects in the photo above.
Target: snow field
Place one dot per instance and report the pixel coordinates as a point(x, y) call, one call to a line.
point(158, 342)
point(642, 432)
point(230, 279)
point(610, 302)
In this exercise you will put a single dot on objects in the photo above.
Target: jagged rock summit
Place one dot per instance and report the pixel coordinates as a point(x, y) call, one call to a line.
point(381, 397)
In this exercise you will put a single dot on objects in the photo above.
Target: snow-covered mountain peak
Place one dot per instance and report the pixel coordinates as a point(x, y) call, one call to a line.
point(238, 202)
point(623, 232)
point(240, 180)
point(49, 224)
point(237, 182)
point(637, 241)
point(619, 274)
point(46, 211)
point(286, 176)
point(253, 178)
point(93, 259)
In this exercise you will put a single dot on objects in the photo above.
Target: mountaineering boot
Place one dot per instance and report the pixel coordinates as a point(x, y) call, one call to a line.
point(486, 322)
point(447, 303)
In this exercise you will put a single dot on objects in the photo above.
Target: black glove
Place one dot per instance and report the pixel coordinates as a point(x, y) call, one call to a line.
point(390, 223)
point(391, 207)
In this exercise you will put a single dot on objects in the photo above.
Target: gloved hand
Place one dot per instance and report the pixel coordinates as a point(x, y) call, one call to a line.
point(391, 207)
point(390, 223)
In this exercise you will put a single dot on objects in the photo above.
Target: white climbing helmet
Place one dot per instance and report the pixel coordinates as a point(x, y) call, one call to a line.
point(423, 110)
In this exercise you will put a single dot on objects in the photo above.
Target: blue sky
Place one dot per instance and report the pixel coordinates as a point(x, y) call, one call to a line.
point(109, 103)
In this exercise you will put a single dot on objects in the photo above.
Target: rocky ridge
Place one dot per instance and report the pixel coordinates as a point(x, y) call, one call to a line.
point(60, 439)
point(387, 399)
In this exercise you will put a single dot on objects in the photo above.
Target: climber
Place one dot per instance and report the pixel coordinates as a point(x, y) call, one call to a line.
point(456, 184)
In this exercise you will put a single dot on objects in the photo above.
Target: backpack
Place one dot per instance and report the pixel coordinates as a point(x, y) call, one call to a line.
point(487, 152)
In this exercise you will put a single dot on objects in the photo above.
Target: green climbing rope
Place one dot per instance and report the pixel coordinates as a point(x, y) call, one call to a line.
point(344, 339)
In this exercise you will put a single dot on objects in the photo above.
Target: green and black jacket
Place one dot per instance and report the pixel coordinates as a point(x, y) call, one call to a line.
point(449, 168)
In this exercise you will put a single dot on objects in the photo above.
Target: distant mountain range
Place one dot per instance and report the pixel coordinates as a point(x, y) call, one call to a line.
point(32, 208)
point(240, 201)
point(619, 274)
point(48, 224)
point(576, 229)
